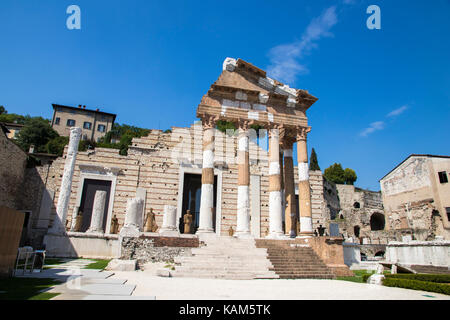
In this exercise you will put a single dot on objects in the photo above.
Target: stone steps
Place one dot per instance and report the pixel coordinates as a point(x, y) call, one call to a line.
point(225, 258)
point(294, 262)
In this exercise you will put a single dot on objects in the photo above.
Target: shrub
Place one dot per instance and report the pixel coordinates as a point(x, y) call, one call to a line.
point(438, 278)
point(417, 285)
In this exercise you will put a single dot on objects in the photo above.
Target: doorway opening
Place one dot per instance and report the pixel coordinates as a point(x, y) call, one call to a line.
point(192, 190)
point(90, 187)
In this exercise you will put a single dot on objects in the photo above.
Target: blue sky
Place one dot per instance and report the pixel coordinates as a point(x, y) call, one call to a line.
point(383, 94)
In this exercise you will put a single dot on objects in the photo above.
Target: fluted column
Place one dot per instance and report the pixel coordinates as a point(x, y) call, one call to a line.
point(207, 194)
point(290, 216)
point(275, 210)
point(59, 223)
point(304, 191)
point(243, 200)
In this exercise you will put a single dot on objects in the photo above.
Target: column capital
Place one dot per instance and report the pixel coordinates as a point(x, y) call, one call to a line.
point(287, 142)
point(209, 121)
point(243, 124)
point(302, 132)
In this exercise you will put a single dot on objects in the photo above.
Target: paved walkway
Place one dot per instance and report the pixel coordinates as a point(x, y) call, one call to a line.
point(86, 284)
point(271, 289)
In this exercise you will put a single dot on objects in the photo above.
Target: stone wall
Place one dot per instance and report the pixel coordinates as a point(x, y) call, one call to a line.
point(415, 200)
point(12, 169)
point(435, 253)
point(150, 249)
point(356, 209)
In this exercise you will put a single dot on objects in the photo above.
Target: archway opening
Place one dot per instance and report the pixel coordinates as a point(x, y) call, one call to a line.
point(356, 231)
point(379, 254)
point(377, 221)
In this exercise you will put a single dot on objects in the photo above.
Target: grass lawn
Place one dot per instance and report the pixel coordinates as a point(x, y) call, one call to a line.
point(358, 277)
point(98, 264)
point(26, 288)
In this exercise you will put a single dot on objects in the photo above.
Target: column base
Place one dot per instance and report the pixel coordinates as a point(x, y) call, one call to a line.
point(277, 235)
point(305, 234)
point(169, 232)
point(243, 235)
point(292, 234)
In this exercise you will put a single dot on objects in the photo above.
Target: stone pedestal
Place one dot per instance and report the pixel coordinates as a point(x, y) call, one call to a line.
point(132, 225)
point(59, 223)
point(169, 226)
point(98, 212)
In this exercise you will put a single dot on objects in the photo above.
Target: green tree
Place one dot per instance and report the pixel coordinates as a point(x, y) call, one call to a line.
point(13, 118)
point(36, 131)
point(223, 126)
point(3, 110)
point(313, 163)
point(125, 134)
point(350, 176)
point(335, 173)
point(56, 145)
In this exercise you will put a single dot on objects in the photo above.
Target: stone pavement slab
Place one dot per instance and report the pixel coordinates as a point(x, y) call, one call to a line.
point(103, 289)
point(112, 297)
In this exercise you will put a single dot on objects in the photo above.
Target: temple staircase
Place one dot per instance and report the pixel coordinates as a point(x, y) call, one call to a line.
point(225, 258)
point(294, 261)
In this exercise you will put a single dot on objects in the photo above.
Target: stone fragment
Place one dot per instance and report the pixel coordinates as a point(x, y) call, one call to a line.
point(121, 265)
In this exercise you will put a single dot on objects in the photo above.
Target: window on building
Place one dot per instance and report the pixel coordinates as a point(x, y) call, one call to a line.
point(87, 125)
point(57, 120)
point(101, 128)
point(356, 205)
point(443, 177)
point(448, 213)
point(70, 122)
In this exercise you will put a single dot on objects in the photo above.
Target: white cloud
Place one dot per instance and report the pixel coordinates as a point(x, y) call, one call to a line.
point(397, 112)
point(374, 126)
point(284, 58)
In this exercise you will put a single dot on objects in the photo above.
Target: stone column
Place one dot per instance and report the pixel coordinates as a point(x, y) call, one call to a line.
point(98, 212)
point(169, 225)
point(275, 201)
point(59, 222)
point(131, 227)
point(304, 191)
point(289, 190)
point(207, 194)
point(243, 200)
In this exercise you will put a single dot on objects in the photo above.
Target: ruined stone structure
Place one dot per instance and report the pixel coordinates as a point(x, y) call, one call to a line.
point(242, 182)
point(12, 171)
point(416, 196)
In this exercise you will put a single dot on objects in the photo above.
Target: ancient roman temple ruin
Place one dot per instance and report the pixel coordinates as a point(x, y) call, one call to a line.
point(197, 185)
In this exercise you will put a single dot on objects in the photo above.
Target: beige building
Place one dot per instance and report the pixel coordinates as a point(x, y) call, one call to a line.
point(94, 123)
point(416, 196)
point(13, 129)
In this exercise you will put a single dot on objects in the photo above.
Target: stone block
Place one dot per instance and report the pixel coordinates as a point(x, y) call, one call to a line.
point(121, 265)
point(376, 279)
point(163, 273)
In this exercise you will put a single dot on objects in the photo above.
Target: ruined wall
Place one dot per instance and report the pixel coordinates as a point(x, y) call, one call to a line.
point(153, 249)
point(415, 199)
point(356, 209)
point(154, 163)
point(12, 169)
